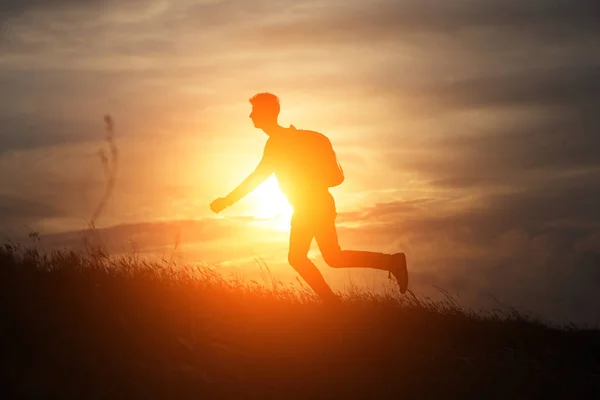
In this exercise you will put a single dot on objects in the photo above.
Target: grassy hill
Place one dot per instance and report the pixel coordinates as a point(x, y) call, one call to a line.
point(90, 326)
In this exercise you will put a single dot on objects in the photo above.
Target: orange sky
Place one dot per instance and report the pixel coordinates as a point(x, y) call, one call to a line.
point(467, 132)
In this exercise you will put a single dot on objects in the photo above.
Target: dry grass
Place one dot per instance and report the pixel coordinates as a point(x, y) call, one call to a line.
point(89, 325)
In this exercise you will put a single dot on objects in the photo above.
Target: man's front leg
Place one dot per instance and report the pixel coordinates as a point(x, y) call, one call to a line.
point(313, 277)
point(301, 235)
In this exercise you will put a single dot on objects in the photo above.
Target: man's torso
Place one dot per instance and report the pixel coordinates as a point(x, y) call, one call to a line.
point(289, 156)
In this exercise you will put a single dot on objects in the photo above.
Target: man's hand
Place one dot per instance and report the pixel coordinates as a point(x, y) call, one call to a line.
point(219, 204)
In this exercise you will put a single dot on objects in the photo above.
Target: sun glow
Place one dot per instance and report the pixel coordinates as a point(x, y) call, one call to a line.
point(270, 205)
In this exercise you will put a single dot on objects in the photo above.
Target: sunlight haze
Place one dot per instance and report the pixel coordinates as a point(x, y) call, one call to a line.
point(467, 132)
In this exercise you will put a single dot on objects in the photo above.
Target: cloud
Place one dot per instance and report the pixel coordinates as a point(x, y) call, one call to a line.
point(11, 8)
point(481, 114)
point(26, 132)
point(514, 157)
point(565, 205)
point(19, 6)
point(571, 87)
point(383, 211)
point(535, 249)
point(379, 19)
point(513, 129)
point(89, 30)
point(15, 209)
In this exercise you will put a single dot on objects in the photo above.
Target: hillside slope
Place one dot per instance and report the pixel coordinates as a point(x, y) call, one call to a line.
point(88, 326)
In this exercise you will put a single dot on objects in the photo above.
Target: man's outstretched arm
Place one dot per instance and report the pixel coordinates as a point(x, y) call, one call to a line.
point(258, 176)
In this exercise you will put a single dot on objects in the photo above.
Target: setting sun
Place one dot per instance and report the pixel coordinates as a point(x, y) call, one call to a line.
point(268, 202)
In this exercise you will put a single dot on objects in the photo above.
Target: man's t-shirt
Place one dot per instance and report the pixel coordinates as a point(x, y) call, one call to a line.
point(288, 156)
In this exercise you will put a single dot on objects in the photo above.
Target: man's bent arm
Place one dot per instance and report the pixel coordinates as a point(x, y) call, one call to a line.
point(258, 176)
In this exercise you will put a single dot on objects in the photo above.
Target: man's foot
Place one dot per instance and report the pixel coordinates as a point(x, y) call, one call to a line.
point(400, 271)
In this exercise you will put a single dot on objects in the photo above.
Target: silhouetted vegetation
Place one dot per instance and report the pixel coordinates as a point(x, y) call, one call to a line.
point(87, 325)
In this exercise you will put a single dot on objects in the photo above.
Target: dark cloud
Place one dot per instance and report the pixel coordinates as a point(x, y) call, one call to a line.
point(57, 107)
point(225, 13)
point(78, 29)
point(536, 249)
point(385, 20)
point(14, 208)
point(383, 211)
point(566, 208)
point(573, 87)
point(18, 7)
point(549, 126)
point(509, 156)
point(26, 132)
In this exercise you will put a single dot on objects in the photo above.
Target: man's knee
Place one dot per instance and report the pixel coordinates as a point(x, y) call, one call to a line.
point(298, 260)
point(333, 258)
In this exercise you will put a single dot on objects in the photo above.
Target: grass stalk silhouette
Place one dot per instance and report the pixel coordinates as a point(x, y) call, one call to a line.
point(110, 167)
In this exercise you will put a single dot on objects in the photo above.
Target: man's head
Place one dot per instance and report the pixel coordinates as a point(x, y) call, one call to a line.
point(265, 110)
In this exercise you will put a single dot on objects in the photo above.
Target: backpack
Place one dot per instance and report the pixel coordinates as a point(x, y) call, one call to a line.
point(319, 158)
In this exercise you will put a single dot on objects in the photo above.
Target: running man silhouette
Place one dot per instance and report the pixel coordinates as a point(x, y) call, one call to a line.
point(305, 166)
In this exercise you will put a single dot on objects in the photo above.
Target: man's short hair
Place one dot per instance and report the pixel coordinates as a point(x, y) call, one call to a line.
point(266, 101)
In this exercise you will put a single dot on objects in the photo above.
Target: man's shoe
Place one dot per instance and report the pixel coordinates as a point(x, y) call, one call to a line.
point(400, 271)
